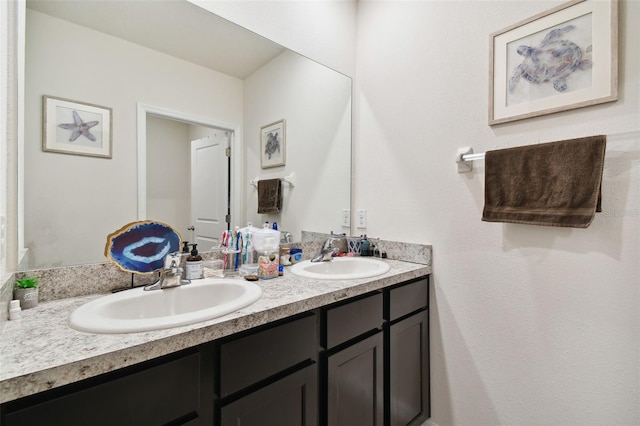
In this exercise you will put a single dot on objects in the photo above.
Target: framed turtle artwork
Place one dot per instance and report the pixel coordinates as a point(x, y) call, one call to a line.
point(272, 144)
point(561, 59)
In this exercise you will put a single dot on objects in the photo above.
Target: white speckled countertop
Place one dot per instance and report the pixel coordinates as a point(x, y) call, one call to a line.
point(39, 351)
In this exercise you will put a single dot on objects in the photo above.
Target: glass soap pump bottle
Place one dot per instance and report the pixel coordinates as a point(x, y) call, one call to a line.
point(193, 265)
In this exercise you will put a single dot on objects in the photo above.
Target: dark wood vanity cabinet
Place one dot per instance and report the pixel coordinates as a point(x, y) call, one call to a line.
point(375, 358)
point(360, 362)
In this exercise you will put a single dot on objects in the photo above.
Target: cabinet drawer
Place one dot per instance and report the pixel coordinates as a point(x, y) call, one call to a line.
point(257, 356)
point(350, 320)
point(408, 298)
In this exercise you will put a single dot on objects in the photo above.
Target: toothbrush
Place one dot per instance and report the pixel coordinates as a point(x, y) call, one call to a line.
point(246, 247)
point(238, 245)
point(223, 243)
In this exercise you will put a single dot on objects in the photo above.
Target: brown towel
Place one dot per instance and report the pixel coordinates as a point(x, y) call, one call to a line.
point(552, 184)
point(269, 196)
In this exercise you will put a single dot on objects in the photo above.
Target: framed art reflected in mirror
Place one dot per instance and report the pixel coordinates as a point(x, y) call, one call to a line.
point(272, 144)
point(72, 127)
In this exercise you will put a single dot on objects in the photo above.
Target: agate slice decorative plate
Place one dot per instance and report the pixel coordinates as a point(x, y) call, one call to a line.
point(140, 247)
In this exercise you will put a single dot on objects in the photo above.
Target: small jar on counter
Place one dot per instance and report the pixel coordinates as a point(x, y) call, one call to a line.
point(295, 255)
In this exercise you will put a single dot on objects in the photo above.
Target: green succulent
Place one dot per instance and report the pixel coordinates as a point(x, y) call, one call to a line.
point(27, 283)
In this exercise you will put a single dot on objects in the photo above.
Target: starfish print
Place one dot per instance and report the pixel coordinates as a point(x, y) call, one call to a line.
point(79, 127)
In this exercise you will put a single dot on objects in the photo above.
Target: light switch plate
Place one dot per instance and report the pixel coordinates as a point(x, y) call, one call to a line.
point(362, 218)
point(346, 217)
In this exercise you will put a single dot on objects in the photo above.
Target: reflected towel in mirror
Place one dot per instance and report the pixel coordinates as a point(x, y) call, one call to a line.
point(269, 196)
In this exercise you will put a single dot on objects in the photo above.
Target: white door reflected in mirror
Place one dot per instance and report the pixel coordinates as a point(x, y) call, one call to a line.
point(209, 190)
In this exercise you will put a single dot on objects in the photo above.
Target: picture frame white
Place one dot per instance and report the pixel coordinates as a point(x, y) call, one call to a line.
point(273, 144)
point(520, 88)
point(77, 128)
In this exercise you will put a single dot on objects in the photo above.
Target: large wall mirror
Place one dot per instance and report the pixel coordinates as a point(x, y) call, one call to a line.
point(173, 74)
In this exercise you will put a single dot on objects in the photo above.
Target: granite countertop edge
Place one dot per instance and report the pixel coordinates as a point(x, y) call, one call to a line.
point(41, 352)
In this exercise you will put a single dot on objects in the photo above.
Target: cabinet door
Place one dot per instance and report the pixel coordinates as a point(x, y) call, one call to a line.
point(355, 384)
point(169, 392)
point(290, 401)
point(409, 370)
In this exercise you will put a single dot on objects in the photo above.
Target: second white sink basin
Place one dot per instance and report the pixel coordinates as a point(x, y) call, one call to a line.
point(341, 268)
point(138, 310)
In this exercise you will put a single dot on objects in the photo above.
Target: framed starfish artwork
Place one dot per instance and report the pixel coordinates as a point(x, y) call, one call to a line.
point(562, 59)
point(71, 127)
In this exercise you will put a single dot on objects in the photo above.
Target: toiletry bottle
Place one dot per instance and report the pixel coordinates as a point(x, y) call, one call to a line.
point(285, 256)
point(194, 264)
point(365, 249)
point(14, 310)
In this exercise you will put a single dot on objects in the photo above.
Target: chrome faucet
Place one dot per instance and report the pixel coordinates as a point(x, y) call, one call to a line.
point(170, 275)
point(333, 246)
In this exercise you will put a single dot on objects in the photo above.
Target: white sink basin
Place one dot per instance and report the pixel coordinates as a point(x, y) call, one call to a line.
point(341, 268)
point(138, 310)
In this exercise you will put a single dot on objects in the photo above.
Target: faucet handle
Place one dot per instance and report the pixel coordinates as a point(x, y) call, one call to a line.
point(171, 261)
point(338, 242)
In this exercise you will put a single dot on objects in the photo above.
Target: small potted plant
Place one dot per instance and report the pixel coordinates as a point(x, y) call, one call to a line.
point(26, 291)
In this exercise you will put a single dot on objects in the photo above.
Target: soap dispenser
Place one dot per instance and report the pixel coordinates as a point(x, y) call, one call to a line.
point(193, 264)
point(365, 247)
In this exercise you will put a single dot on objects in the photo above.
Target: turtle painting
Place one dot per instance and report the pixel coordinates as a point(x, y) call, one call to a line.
point(555, 59)
point(273, 144)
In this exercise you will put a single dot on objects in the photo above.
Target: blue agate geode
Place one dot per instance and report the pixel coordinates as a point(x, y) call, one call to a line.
point(140, 247)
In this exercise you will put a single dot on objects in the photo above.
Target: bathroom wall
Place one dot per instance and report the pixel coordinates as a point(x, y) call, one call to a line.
point(168, 172)
point(113, 73)
point(529, 325)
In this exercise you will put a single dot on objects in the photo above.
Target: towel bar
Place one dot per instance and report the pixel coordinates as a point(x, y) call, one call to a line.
point(290, 179)
point(465, 156)
point(464, 159)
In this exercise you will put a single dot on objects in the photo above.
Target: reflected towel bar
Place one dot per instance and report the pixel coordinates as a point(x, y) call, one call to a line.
point(290, 179)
